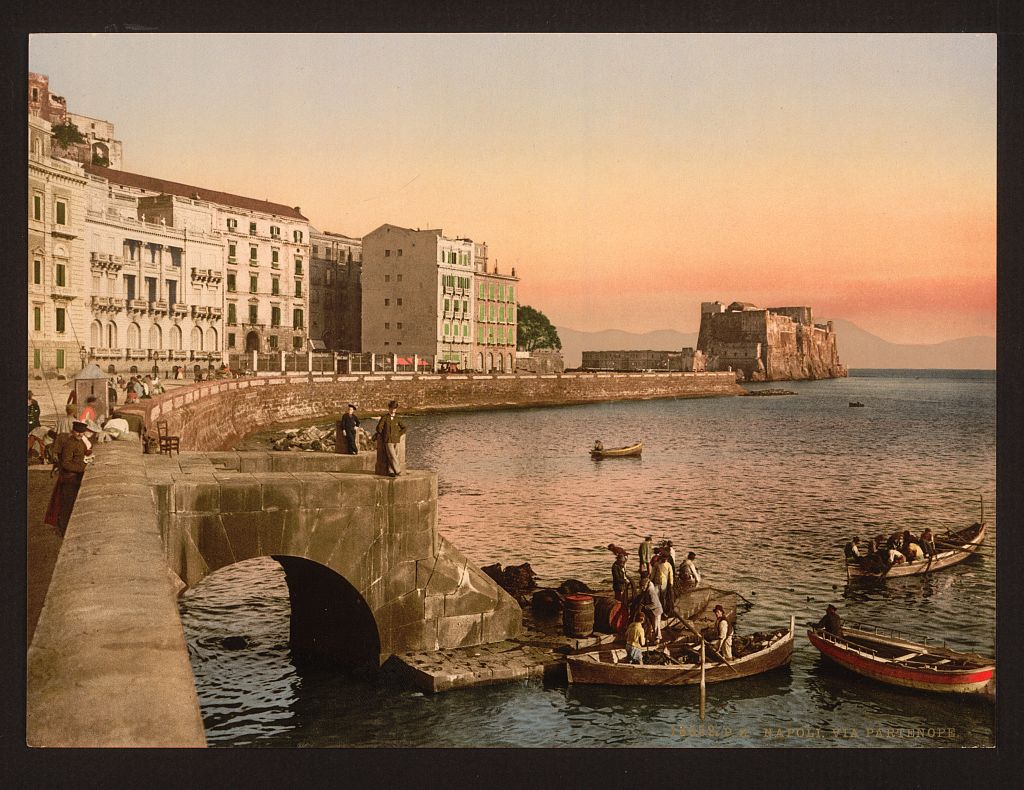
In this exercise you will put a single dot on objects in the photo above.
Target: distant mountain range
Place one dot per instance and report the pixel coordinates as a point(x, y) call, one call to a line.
point(857, 348)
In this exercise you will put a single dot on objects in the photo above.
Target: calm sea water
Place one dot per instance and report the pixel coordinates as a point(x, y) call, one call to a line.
point(766, 491)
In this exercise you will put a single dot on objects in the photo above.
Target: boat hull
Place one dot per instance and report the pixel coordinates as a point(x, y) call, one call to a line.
point(588, 669)
point(618, 452)
point(936, 562)
point(976, 680)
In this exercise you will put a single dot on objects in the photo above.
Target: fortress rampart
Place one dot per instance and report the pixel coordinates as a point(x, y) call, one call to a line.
point(768, 344)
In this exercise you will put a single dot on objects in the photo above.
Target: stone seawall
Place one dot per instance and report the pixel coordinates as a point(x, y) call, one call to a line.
point(108, 665)
point(216, 415)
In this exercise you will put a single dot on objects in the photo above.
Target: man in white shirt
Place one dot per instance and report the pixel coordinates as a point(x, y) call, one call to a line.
point(724, 631)
point(651, 603)
point(691, 576)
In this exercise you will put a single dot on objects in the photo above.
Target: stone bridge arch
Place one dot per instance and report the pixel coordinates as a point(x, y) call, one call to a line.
point(328, 520)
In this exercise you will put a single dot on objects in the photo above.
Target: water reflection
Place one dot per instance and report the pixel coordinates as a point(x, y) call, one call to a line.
point(766, 491)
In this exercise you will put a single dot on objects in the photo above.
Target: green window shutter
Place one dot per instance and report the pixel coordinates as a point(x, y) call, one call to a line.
point(37, 318)
point(37, 359)
point(446, 305)
point(37, 272)
point(62, 216)
point(60, 319)
point(60, 357)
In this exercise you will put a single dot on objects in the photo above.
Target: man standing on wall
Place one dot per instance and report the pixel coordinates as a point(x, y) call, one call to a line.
point(390, 431)
point(347, 428)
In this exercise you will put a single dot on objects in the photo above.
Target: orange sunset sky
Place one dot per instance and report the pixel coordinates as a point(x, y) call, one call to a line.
point(626, 177)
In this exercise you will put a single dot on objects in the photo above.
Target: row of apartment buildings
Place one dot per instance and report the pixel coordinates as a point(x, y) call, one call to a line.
point(132, 271)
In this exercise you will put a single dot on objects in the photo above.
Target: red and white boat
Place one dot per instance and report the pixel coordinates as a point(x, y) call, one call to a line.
point(894, 658)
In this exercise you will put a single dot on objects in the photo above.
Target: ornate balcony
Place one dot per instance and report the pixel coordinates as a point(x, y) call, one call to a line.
point(206, 276)
point(138, 306)
point(159, 307)
point(136, 353)
point(101, 303)
point(179, 309)
point(101, 262)
point(216, 312)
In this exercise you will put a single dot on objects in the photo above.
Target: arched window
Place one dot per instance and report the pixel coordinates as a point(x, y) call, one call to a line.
point(511, 367)
point(480, 361)
point(111, 335)
point(211, 339)
point(96, 334)
point(197, 339)
point(490, 362)
point(134, 336)
point(175, 338)
point(501, 363)
point(155, 337)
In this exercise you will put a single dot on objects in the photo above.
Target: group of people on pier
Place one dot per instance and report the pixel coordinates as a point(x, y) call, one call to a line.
point(388, 435)
point(651, 599)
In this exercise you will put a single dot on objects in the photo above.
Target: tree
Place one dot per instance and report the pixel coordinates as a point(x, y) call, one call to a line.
point(535, 330)
point(67, 134)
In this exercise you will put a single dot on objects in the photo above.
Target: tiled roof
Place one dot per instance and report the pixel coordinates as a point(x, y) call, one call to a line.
point(195, 193)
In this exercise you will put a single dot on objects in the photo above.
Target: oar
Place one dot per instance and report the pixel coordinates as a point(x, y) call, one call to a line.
point(704, 641)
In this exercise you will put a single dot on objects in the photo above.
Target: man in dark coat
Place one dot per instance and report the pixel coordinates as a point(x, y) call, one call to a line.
point(831, 622)
point(33, 413)
point(70, 468)
point(390, 431)
point(346, 429)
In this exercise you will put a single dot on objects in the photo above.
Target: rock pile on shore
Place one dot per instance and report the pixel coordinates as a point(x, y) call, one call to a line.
point(317, 440)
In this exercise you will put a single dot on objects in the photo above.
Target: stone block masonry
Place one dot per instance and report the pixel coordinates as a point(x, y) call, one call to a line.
point(216, 415)
point(368, 576)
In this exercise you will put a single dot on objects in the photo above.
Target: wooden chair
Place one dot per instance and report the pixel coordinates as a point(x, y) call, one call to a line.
point(167, 443)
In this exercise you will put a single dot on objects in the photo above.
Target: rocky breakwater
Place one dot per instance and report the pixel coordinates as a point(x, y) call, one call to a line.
point(318, 440)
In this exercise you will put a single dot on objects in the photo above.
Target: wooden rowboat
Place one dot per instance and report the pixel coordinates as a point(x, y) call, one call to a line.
point(618, 452)
point(953, 547)
point(893, 658)
point(608, 665)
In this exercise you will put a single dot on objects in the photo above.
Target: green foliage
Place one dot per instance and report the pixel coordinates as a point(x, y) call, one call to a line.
point(100, 160)
point(535, 330)
point(67, 134)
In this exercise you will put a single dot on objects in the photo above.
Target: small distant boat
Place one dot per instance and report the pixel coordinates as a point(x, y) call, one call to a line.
point(854, 403)
point(608, 665)
point(617, 452)
point(893, 658)
point(952, 547)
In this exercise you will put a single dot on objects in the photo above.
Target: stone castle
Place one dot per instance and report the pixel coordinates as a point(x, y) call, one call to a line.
point(768, 344)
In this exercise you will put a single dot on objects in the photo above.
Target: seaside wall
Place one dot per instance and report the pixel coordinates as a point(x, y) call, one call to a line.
point(216, 415)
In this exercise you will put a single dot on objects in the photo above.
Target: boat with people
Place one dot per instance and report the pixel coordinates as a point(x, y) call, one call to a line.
point(600, 451)
point(950, 548)
point(892, 657)
point(678, 663)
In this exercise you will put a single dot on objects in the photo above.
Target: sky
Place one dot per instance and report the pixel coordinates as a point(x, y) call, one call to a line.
point(626, 177)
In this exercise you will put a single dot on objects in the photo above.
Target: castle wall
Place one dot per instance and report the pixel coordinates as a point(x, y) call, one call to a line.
point(791, 346)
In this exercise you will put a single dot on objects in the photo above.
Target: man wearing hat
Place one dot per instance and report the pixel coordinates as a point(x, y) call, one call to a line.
point(69, 465)
point(852, 549)
point(831, 622)
point(347, 428)
point(651, 604)
point(724, 630)
point(390, 431)
point(646, 552)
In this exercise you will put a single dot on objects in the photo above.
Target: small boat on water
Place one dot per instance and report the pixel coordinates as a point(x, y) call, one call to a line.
point(951, 548)
point(617, 452)
point(856, 403)
point(679, 662)
point(893, 658)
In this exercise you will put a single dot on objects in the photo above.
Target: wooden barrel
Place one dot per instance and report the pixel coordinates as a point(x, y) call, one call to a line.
point(578, 615)
point(605, 611)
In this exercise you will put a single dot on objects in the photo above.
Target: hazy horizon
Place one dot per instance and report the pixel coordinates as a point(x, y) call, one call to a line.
point(627, 177)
